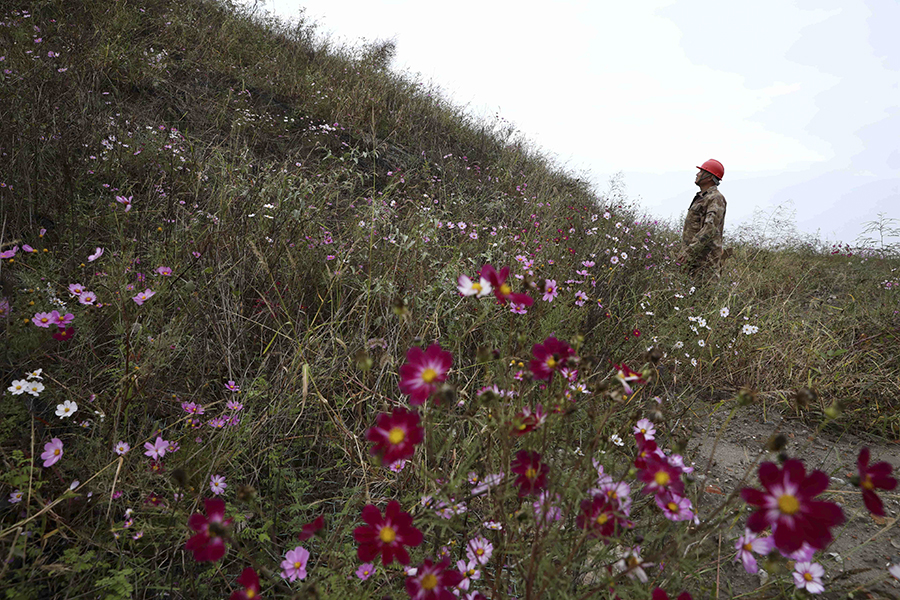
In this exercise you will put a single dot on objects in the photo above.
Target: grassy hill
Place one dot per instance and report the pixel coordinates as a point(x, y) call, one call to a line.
point(266, 225)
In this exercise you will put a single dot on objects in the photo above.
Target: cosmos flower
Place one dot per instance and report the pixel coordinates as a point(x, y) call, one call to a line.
point(208, 544)
point(395, 436)
point(467, 287)
point(53, 451)
point(423, 371)
point(789, 506)
point(433, 581)
point(386, 535)
point(877, 476)
point(751, 543)
point(532, 472)
point(293, 566)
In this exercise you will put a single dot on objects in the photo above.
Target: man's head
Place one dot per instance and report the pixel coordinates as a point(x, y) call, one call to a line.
point(710, 174)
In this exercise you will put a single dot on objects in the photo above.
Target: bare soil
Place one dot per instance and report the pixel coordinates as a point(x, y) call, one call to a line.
point(863, 547)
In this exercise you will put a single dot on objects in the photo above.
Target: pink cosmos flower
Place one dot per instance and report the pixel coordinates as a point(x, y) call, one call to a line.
point(365, 571)
point(422, 372)
point(467, 287)
point(788, 505)
point(217, 485)
point(517, 309)
point(53, 451)
point(62, 320)
point(646, 427)
point(661, 477)
point(157, 449)
point(121, 448)
point(44, 319)
point(550, 290)
point(808, 576)
point(9, 253)
point(165, 271)
point(143, 296)
point(208, 544)
point(627, 376)
point(87, 298)
point(751, 543)
point(675, 507)
point(97, 254)
point(479, 550)
point(433, 581)
point(125, 201)
point(231, 385)
point(76, 289)
point(294, 564)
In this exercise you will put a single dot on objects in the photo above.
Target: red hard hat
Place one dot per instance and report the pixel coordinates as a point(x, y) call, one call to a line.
point(713, 166)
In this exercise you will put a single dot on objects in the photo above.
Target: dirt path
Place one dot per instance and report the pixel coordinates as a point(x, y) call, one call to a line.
point(739, 444)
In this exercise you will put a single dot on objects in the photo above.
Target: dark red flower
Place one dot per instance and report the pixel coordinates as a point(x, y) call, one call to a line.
point(310, 529)
point(208, 545)
point(528, 420)
point(647, 449)
point(532, 472)
point(62, 334)
point(422, 372)
point(600, 517)
point(789, 507)
point(433, 581)
point(661, 477)
point(660, 594)
point(549, 357)
point(877, 476)
point(250, 581)
point(501, 289)
point(386, 535)
point(395, 436)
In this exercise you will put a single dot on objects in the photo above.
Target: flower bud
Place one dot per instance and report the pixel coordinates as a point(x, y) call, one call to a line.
point(776, 443)
point(746, 396)
point(834, 410)
point(804, 396)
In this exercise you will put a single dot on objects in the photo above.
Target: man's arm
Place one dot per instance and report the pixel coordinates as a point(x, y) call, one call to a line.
point(712, 224)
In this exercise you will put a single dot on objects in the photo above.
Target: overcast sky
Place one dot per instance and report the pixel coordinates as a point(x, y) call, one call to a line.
point(800, 100)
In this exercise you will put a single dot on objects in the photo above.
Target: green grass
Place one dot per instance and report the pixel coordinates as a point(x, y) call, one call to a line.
point(302, 193)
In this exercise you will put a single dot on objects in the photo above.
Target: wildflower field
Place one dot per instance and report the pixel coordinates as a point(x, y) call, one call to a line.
point(279, 322)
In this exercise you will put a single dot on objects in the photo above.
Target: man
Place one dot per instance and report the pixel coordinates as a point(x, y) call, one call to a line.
point(702, 235)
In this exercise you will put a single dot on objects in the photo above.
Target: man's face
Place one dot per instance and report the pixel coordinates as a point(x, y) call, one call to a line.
point(700, 176)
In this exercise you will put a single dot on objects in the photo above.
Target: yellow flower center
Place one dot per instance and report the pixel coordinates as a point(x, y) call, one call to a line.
point(44, 319)
point(612, 494)
point(387, 534)
point(867, 483)
point(429, 582)
point(672, 506)
point(748, 547)
point(530, 473)
point(505, 290)
point(297, 564)
point(56, 452)
point(429, 375)
point(250, 593)
point(551, 362)
point(479, 551)
point(476, 287)
point(808, 576)
point(788, 504)
point(643, 430)
point(396, 435)
point(470, 572)
point(602, 519)
point(662, 478)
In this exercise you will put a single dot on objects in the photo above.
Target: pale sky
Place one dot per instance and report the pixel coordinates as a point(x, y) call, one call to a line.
point(800, 100)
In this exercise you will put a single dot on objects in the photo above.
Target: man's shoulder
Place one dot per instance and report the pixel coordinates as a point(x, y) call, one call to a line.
point(713, 194)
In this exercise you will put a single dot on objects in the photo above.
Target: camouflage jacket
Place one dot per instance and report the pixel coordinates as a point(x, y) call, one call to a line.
point(702, 235)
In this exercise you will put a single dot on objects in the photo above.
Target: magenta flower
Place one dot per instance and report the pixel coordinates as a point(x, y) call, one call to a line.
point(44, 319)
point(157, 449)
point(365, 571)
point(63, 334)
point(97, 254)
point(751, 543)
point(433, 581)
point(422, 372)
point(479, 550)
point(165, 271)
point(76, 289)
point(501, 289)
point(9, 253)
point(395, 436)
point(87, 298)
point(217, 485)
point(550, 356)
point(143, 296)
point(208, 544)
point(877, 476)
point(53, 451)
point(660, 477)
point(231, 385)
point(125, 201)
point(645, 427)
point(294, 564)
point(386, 535)
point(121, 448)
point(788, 505)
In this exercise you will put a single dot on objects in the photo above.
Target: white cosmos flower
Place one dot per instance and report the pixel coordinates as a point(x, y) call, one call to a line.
point(66, 409)
point(18, 387)
point(36, 374)
point(34, 387)
point(724, 312)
